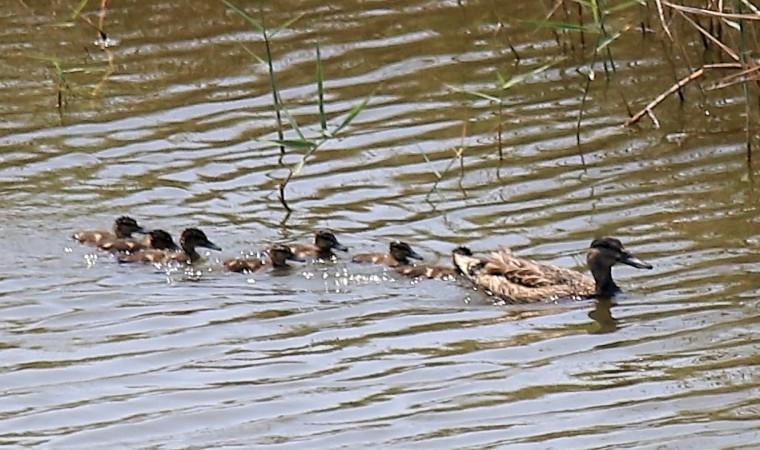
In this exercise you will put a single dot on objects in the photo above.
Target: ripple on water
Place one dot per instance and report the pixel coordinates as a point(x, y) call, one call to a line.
point(99, 354)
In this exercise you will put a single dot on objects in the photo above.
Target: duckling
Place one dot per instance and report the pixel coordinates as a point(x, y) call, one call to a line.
point(433, 272)
point(399, 255)
point(519, 280)
point(189, 240)
point(324, 242)
point(278, 259)
point(157, 239)
point(123, 228)
point(427, 271)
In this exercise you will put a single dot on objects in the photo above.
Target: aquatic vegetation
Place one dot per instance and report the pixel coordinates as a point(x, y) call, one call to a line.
point(308, 145)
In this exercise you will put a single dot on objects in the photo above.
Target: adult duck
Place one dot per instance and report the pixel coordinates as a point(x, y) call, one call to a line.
point(519, 280)
point(279, 255)
point(190, 239)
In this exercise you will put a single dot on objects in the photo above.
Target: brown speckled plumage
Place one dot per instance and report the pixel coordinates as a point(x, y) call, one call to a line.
point(322, 248)
point(520, 280)
point(279, 255)
point(156, 239)
point(399, 255)
point(123, 228)
point(190, 239)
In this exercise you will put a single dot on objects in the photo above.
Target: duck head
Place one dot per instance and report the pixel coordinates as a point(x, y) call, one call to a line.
point(605, 253)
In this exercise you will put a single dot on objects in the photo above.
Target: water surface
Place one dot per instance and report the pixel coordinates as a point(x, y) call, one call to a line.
point(341, 355)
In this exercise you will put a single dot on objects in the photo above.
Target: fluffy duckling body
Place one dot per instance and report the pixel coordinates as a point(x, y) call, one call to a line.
point(399, 255)
point(322, 248)
point(427, 271)
point(191, 239)
point(519, 280)
point(157, 239)
point(279, 255)
point(123, 228)
point(433, 272)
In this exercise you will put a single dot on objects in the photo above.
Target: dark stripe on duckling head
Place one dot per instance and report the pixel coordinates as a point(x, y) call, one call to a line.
point(401, 251)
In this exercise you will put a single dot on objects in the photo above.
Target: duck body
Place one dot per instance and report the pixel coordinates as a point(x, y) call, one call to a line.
point(399, 255)
point(279, 255)
point(519, 280)
point(190, 239)
point(156, 239)
point(322, 248)
point(123, 228)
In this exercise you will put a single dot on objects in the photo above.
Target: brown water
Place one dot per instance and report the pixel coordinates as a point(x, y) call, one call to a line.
point(98, 354)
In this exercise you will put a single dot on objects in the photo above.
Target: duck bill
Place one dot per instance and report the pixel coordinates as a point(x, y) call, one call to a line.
point(414, 255)
point(297, 258)
point(141, 230)
point(175, 247)
point(211, 245)
point(339, 246)
point(634, 261)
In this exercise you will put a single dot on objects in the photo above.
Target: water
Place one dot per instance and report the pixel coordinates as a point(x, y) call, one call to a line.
point(341, 355)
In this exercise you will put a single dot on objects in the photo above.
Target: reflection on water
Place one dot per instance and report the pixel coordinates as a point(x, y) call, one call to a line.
point(340, 354)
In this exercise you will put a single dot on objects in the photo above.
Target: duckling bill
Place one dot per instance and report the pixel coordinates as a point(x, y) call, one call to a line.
point(190, 239)
point(519, 280)
point(279, 255)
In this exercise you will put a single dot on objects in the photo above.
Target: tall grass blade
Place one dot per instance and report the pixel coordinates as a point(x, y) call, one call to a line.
point(251, 21)
point(296, 143)
point(78, 10)
point(321, 92)
point(519, 78)
point(273, 32)
point(293, 123)
point(562, 26)
point(473, 93)
point(352, 115)
point(607, 40)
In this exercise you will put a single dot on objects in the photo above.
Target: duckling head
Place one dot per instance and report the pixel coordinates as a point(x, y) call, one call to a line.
point(161, 240)
point(280, 254)
point(124, 226)
point(193, 237)
point(402, 252)
point(326, 240)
